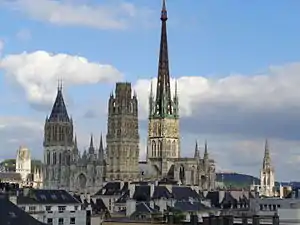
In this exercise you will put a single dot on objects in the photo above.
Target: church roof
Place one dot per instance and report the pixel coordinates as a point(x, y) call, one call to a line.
point(59, 111)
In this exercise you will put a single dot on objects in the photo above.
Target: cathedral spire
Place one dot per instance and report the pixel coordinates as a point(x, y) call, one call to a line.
point(91, 148)
point(197, 153)
point(267, 157)
point(59, 111)
point(101, 149)
point(163, 102)
point(205, 150)
point(75, 145)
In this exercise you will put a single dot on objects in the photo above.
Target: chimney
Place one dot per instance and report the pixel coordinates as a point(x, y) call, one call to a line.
point(88, 197)
point(131, 189)
point(275, 220)
point(194, 219)
point(255, 220)
point(152, 188)
point(281, 191)
point(228, 220)
point(205, 220)
point(130, 207)
point(26, 191)
point(244, 219)
point(293, 194)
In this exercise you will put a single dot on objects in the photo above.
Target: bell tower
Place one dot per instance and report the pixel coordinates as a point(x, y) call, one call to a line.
point(58, 145)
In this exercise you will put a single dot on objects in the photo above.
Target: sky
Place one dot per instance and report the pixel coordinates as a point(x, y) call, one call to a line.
point(237, 64)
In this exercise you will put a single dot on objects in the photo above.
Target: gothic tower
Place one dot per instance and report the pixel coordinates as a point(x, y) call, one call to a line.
point(122, 137)
point(267, 176)
point(163, 144)
point(58, 145)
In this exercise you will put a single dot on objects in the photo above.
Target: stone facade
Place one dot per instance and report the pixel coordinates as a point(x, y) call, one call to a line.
point(122, 134)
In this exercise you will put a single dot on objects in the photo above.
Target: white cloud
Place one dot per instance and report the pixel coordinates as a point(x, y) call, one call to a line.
point(39, 71)
point(24, 35)
point(275, 89)
point(105, 16)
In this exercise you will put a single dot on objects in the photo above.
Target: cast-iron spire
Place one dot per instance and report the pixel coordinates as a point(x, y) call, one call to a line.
point(163, 102)
point(197, 153)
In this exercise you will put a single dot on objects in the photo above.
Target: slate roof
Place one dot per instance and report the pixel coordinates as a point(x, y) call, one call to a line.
point(184, 193)
point(98, 206)
point(142, 193)
point(214, 198)
point(40, 196)
point(112, 188)
point(186, 206)
point(59, 109)
point(143, 208)
point(123, 198)
point(228, 199)
point(12, 176)
point(161, 192)
point(13, 215)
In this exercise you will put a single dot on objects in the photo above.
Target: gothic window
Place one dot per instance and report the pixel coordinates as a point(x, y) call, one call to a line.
point(59, 137)
point(174, 147)
point(48, 158)
point(59, 159)
point(153, 148)
point(160, 147)
point(48, 135)
point(159, 130)
point(155, 129)
point(54, 158)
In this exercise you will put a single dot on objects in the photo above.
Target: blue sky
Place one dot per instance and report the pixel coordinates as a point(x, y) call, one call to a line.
point(210, 39)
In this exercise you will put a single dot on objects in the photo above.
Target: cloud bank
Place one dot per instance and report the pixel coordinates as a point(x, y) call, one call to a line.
point(235, 112)
point(38, 72)
point(113, 15)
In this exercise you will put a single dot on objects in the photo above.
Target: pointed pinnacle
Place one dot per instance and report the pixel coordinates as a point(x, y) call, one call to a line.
point(164, 15)
point(92, 141)
point(101, 143)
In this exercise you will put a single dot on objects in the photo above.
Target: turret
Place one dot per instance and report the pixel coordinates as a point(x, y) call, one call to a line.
point(197, 152)
point(91, 147)
point(101, 150)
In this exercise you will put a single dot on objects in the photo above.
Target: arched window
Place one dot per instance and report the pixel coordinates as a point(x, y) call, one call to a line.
point(60, 159)
point(160, 148)
point(48, 158)
point(54, 158)
point(153, 149)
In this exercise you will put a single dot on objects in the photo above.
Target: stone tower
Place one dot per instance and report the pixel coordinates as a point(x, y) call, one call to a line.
point(23, 163)
point(122, 137)
point(163, 129)
point(267, 175)
point(58, 145)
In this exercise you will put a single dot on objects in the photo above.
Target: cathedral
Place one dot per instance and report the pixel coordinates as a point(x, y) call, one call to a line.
point(65, 167)
point(163, 145)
